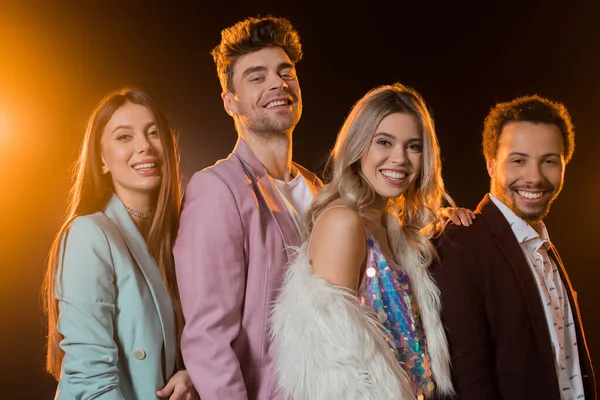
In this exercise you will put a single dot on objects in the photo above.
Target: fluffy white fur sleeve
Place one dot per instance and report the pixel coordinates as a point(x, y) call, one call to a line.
point(329, 347)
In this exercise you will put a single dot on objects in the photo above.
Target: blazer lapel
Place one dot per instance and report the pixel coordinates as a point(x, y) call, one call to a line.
point(314, 180)
point(276, 206)
point(116, 211)
point(508, 244)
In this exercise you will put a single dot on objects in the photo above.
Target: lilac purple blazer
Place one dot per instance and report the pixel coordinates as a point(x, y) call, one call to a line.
point(230, 256)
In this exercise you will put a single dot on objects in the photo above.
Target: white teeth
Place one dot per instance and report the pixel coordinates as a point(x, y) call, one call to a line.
point(394, 174)
point(144, 166)
point(529, 195)
point(276, 103)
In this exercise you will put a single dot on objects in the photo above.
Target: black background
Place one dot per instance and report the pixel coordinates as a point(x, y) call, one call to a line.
point(58, 58)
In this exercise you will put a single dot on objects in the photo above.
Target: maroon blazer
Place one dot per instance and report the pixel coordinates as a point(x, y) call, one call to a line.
point(494, 318)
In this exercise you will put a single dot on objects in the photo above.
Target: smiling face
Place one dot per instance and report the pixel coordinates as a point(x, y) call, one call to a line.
point(528, 171)
point(395, 157)
point(132, 151)
point(267, 97)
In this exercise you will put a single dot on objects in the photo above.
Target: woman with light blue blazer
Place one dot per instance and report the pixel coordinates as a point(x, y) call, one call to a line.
point(111, 296)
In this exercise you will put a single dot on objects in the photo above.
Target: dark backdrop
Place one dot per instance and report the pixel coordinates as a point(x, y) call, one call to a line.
point(58, 58)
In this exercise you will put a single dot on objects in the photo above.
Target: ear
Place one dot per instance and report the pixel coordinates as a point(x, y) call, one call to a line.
point(103, 167)
point(491, 167)
point(229, 103)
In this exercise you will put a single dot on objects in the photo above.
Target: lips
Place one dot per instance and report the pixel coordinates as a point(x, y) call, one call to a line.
point(147, 165)
point(278, 103)
point(282, 98)
point(394, 174)
point(394, 177)
point(532, 196)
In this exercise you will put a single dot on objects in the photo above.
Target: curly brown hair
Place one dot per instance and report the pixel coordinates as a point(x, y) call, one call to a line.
point(250, 35)
point(534, 109)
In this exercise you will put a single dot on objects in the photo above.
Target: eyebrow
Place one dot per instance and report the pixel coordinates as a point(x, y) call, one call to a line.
point(387, 135)
point(148, 125)
point(516, 153)
point(284, 65)
point(390, 136)
point(122, 127)
point(251, 70)
point(262, 68)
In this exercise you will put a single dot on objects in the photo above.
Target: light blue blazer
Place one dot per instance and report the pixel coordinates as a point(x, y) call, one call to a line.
point(116, 316)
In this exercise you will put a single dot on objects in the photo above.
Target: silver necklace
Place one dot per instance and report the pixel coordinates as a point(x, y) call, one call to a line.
point(139, 214)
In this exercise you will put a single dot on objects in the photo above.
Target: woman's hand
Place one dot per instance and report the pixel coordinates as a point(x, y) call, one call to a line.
point(179, 387)
point(462, 216)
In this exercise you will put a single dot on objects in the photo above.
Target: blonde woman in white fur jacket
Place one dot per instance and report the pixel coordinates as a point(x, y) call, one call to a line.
point(358, 315)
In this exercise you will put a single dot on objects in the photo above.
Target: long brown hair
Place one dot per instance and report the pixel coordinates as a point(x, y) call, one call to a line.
point(92, 190)
point(419, 208)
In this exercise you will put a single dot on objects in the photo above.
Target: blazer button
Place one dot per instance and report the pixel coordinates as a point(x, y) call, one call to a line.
point(139, 354)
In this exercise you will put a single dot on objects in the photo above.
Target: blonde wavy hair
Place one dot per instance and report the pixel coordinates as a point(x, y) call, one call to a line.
point(418, 210)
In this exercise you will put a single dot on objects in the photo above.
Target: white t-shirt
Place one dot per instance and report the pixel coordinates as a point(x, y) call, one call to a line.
point(297, 195)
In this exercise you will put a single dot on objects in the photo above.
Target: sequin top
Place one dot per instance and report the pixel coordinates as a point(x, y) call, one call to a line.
point(386, 288)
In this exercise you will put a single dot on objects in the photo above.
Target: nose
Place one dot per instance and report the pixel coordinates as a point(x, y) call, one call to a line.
point(143, 144)
point(533, 173)
point(399, 155)
point(277, 83)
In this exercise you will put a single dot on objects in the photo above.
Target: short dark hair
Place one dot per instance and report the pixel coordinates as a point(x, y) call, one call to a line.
point(250, 35)
point(534, 109)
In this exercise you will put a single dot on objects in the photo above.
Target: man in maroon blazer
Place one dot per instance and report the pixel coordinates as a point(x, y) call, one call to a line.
point(510, 312)
point(241, 215)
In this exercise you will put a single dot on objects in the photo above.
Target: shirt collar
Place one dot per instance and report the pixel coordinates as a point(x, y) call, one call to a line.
point(292, 182)
point(524, 233)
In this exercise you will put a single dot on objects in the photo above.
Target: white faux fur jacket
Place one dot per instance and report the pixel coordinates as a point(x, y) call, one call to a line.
point(329, 347)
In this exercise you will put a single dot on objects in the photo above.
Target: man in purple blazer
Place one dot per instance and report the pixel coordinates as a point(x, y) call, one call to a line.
point(240, 215)
point(511, 314)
